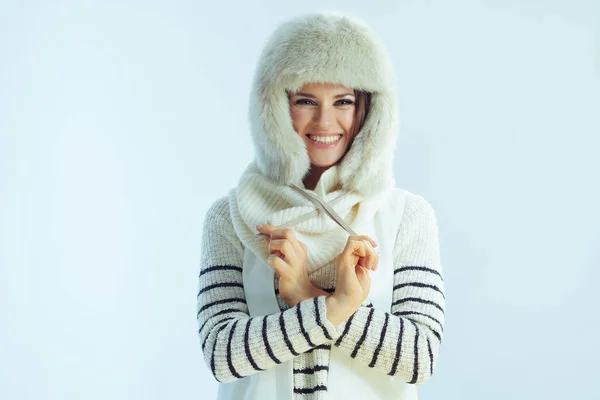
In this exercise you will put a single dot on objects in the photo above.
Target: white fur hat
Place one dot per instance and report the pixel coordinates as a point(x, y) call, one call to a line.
point(334, 48)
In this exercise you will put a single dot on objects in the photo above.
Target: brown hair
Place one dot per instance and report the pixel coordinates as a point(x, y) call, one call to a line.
point(361, 110)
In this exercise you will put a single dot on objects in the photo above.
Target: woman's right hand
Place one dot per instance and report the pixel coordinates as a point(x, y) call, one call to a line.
point(352, 281)
point(288, 259)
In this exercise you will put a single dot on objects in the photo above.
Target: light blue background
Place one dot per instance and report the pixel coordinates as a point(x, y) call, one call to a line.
point(121, 122)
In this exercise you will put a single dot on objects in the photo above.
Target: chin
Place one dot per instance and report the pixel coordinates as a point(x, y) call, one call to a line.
point(324, 163)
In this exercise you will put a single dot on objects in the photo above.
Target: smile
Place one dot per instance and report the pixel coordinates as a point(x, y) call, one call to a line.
point(325, 139)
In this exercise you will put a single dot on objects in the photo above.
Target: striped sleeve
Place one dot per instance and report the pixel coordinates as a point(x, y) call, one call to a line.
point(405, 341)
point(235, 345)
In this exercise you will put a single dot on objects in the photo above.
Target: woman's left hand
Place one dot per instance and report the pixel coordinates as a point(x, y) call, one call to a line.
point(288, 259)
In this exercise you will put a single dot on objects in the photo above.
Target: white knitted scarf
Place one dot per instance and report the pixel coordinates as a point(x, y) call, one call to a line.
point(257, 200)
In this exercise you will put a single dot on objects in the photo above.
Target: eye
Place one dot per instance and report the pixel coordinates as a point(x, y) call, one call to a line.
point(344, 102)
point(305, 102)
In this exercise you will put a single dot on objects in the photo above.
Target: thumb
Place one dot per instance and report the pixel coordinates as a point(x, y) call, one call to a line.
point(266, 228)
point(363, 276)
point(354, 251)
point(362, 272)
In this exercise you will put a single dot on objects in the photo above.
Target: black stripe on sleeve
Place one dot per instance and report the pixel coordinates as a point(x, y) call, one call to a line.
point(318, 317)
point(312, 370)
point(212, 356)
point(418, 300)
point(399, 313)
point(223, 301)
point(420, 285)
point(398, 348)
point(430, 357)
point(416, 268)
point(310, 390)
point(346, 329)
point(266, 342)
point(285, 336)
point(436, 333)
point(220, 268)
point(306, 336)
point(206, 338)
point(229, 362)
point(225, 311)
point(381, 338)
point(247, 346)
point(218, 285)
point(320, 347)
point(364, 333)
point(416, 364)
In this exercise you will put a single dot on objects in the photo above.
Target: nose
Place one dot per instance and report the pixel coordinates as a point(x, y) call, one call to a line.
point(323, 117)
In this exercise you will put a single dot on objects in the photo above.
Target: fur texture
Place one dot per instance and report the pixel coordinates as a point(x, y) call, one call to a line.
point(321, 48)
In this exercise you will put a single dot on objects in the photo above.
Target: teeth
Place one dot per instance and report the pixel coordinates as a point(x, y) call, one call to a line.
point(325, 139)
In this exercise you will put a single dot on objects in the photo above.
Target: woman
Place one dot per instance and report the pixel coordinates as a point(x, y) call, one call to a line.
point(319, 278)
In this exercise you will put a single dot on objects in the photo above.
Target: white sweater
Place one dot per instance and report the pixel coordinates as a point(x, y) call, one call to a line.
point(403, 341)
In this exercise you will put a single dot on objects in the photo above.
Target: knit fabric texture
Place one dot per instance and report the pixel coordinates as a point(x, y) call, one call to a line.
point(257, 200)
point(403, 341)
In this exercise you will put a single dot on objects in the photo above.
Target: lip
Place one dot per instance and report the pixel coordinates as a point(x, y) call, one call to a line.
point(321, 133)
point(324, 145)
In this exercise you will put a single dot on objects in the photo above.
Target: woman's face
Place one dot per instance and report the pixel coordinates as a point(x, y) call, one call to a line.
point(323, 115)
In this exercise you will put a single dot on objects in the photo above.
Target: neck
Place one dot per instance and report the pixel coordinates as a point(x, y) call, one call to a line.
point(312, 178)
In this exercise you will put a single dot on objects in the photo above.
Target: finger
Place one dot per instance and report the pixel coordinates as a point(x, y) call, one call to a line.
point(363, 237)
point(368, 262)
point(351, 254)
point(375, 253)
point(357, 247)
point(299, 248)
point(282, 245)
point(281, 267)
point(288, 234)
point(372, 256)
point(285, 233)
point(363, 274)
point(362, 261)
point(367, 257)
point(266, 228)
point(286, 248)
point(272, 232)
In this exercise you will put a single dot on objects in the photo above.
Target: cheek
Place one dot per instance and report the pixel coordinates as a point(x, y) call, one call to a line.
point(300, 119)
point(346, 119)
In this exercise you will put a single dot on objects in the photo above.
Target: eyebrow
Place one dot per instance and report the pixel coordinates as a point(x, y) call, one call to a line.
point(314, 97)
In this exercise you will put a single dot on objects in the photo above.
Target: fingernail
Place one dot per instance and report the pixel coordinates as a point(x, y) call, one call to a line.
point(259, 226)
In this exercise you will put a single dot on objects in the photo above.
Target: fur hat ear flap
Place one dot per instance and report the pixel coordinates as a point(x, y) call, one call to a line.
point(333, 48)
